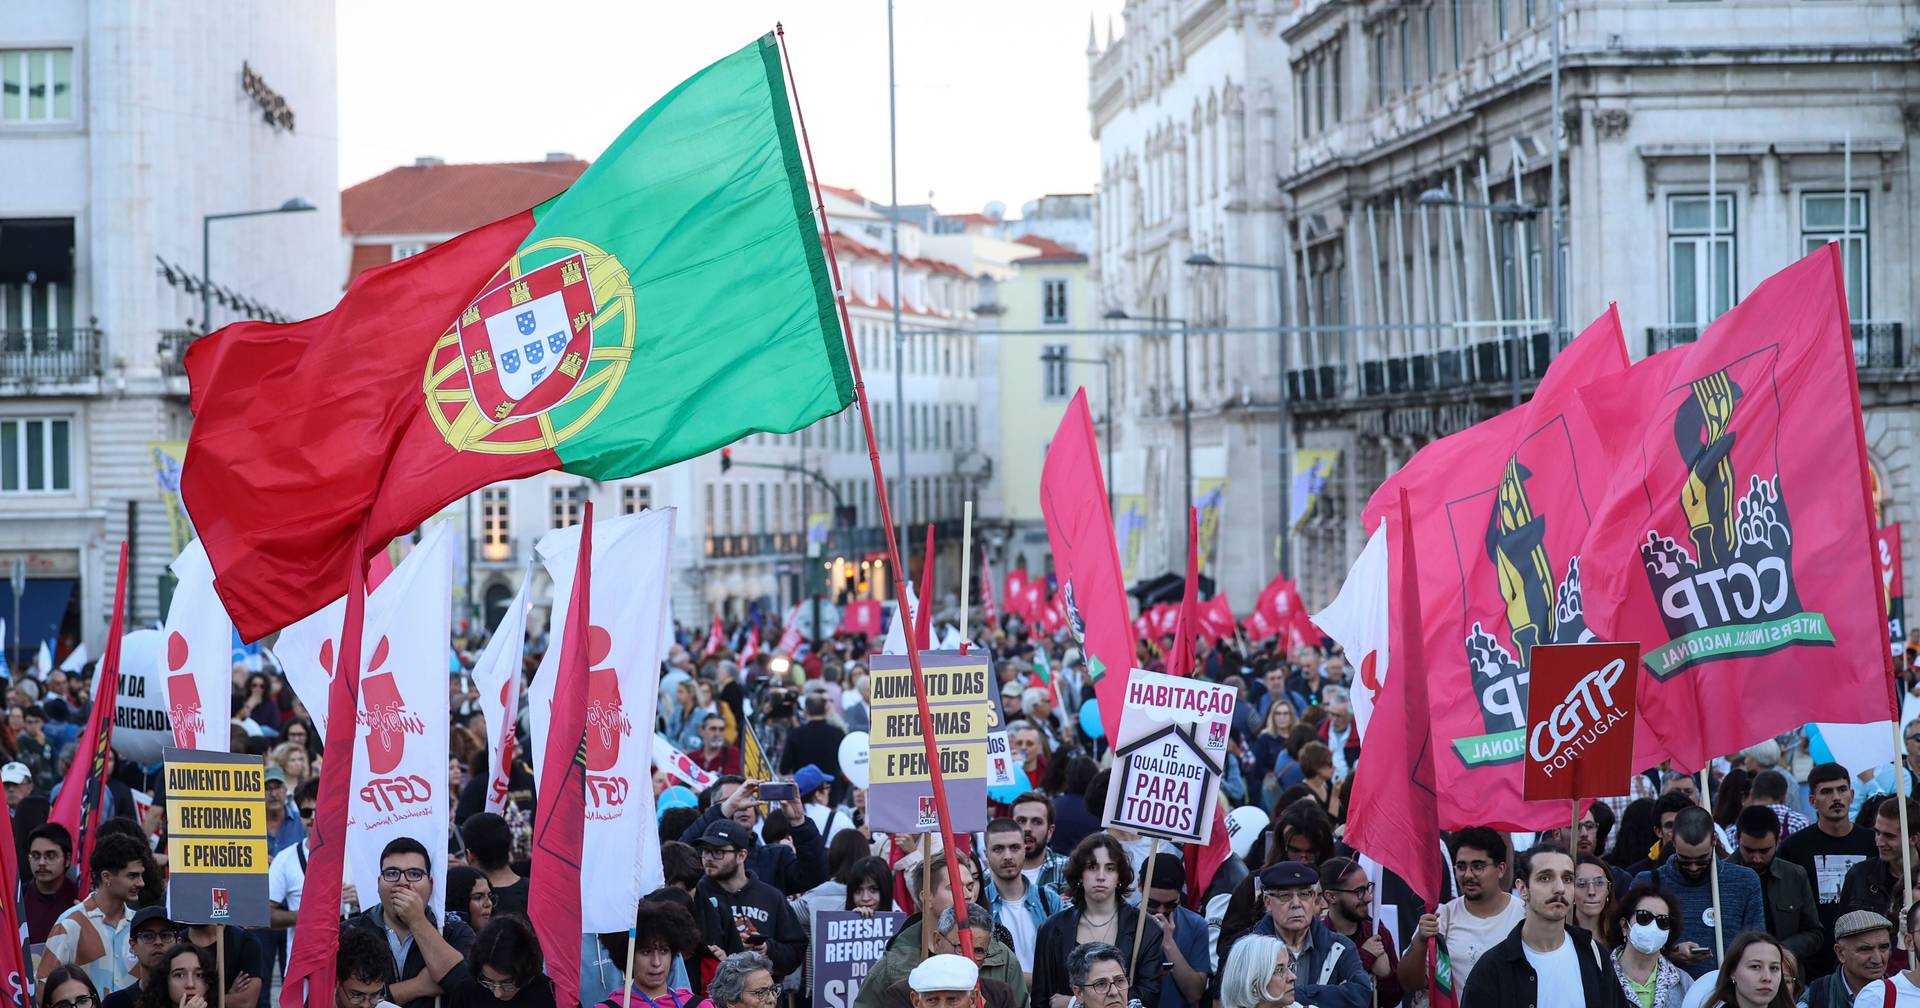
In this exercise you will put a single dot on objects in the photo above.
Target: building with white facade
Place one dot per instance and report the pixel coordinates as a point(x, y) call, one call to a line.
point(1793, 121)
point(123, 126)
point(1190, 106)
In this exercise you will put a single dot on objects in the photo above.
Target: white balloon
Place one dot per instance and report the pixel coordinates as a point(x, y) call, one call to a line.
point(1243, 826)
point(141, 726)
point(853, 758)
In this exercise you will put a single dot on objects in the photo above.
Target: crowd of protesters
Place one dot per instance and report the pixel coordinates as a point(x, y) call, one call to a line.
point(1785, 889)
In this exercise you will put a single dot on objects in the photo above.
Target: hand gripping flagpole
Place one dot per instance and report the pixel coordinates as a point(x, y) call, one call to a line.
point(886, 521)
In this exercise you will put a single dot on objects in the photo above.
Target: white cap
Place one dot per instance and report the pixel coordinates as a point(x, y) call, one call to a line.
point(944, 973)
point(15, 773)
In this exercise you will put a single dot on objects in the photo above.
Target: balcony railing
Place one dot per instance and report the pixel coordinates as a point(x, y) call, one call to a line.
point(41, 355)
point(1877, 346)
point(1483, 366)
point(753, 544)
point(173, 349)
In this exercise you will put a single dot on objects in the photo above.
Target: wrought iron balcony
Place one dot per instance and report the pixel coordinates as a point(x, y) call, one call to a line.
point(48, 355)
point(1877, 346)
point(173, 349)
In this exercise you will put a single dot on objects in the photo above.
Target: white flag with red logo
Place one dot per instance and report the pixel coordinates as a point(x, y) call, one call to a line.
point(196, 677)
point(668, 757)
point(716, 637)
point(399, 784)
point(1357, 618)
point(497, 675)
point(629, 594)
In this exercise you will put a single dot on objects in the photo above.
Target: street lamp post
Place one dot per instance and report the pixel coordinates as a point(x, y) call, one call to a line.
point(1517, 213)
point(1059, 356)
point(1284, 404)
point(1186, 404)
point(294, 205)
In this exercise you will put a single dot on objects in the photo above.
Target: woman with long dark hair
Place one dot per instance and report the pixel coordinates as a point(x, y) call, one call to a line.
point(870, 886)
point(185, 981)
point(1756, 976)
point(67, 987)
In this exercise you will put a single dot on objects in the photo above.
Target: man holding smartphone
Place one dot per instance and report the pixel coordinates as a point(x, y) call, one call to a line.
point(791, 870)
point(760, 912)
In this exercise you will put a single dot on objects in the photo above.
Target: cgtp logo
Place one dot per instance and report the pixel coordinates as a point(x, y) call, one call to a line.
point(219, 907)
point(607, 721)
point(382, 712)
point(389, 793)
point(183, 695)
point(1584, 714)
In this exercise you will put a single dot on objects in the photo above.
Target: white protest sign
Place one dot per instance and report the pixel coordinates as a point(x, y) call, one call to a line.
point(1168, 757)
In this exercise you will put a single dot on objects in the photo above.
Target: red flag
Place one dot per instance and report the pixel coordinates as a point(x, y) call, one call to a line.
point(989, 609)
point(1016, 592)
point(1260, 626)
point(1396, 815)
point(13, 963)
point(1033, 600)
point(559, 828)
point(862, 616)
point(78, 807)
point(716, 637)
point(316, 936)
point(1187, 623)
point(1735, 539)
point(1503, 509)
point(923, 614)
point(790, 640)
point(751, 649)
point(1216, 618)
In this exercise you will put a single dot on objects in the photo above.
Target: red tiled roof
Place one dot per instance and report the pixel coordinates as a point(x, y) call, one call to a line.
point(974, 218)
point(848, 247)
point(1050, 250)
point(845, 194)
point(450, 198)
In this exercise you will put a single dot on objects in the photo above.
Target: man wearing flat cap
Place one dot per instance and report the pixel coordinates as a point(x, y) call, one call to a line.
point(1862, 940)
point(1328, 966)
point(947, 981)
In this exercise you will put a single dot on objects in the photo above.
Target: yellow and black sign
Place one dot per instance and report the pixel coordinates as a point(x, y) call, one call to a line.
point(960, 705)
point(216, 838)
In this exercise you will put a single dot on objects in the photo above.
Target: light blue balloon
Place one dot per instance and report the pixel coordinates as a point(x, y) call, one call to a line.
point(1006, 794)
point(1090, 720)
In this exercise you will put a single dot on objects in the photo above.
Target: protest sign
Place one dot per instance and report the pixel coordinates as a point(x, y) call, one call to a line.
point(1168, 757)
point(1580, 720)
point(999, 753)
point(216, 838)
point(1893, 588)
point(845, 947)
point(900, 798)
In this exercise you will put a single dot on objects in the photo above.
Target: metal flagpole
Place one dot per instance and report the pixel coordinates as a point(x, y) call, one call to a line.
point(1713, 867)
point(901, 574)
point(1713, 232)
point(941, 809)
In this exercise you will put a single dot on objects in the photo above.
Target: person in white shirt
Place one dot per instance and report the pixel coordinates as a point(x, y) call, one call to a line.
point(1906, 984)
point(1547, 961)
point(1478, 919)
point(287, 874)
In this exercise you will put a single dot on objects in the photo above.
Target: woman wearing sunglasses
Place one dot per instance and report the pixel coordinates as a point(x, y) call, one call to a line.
point(1649, 978)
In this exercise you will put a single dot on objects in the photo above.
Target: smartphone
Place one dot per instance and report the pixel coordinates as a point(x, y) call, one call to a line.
point(778, 791)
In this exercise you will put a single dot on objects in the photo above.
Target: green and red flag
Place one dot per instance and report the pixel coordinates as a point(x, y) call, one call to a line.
point(675, 299)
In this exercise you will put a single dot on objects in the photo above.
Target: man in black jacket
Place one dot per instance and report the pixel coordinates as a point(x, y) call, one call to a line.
point(1875, 884)
point(1545, 962)
point(1793, 912)
point(791, 871)
point(422, 948)
point(760, 912)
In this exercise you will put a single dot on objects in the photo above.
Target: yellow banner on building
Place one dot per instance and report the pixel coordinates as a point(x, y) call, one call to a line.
point(1129, 532)
point(1312, 469)
point(1209, 492)
point(819, 524)
point(168, 457)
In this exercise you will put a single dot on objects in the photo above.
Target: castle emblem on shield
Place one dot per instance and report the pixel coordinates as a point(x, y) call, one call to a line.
point(537, 354)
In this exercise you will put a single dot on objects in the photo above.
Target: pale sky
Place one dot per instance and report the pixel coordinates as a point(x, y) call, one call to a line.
point(992, 93)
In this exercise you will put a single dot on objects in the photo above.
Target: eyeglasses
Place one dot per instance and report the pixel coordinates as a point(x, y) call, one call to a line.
point(1472, 867)
point(1103, 988)
point(154, 937)
point(767, 993)
point(1693, 862)
point(1646, 917)
point(77, 1001)
point(1285, 897)
point(504, 988)
point(717, 852)
point(1286, 969)
point(1361, 890)
point(396, 874)
point(1590, 884)
point(354, 997)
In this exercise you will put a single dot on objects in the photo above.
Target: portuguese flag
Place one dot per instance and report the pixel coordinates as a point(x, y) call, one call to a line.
point(674, 300)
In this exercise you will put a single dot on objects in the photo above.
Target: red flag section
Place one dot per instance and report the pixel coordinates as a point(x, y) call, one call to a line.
point(1503, 509)
point(316, 936)
point(1735, 539)
point(1073, 498)
point(989, 609)
point(559, 828)
point(716, 637)
point(1395, 817)
point(13, 963)
point(1216, 618)
point(1013, 599)
point(923, 613)
point(78, 807)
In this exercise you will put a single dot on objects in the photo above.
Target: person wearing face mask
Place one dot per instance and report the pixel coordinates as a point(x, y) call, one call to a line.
point(1862, 941)
point(1688, 877)
point(1647, 977)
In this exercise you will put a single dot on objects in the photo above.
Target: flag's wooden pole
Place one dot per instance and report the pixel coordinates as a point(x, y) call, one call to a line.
point(966, 564)
point(1140, 929)
point(941, 807)
point(927, 926)
point(1713, 866)
point(220, 965)
point(626, 987)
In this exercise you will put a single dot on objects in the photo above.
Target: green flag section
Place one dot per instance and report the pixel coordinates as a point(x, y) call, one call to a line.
point(673, 300)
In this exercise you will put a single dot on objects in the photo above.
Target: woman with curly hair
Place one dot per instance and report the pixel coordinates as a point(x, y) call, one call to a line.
point(663, 933)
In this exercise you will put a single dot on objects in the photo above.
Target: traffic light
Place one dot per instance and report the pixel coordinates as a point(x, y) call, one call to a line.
point(726, 460)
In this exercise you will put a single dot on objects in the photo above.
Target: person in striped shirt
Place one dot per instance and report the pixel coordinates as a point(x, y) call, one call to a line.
point(95, 934)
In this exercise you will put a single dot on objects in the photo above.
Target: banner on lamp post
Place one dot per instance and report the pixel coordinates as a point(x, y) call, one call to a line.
point(1580, 720)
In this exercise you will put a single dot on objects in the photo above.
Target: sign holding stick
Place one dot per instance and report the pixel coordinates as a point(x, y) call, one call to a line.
point(216, 838)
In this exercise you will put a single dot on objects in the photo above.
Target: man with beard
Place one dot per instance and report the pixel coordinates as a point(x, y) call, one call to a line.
point(760, 912)
point(1349, 896)
point(1546, 962)
point(49, 851)
point(1688, 876)
point(1020, 906)
point(1043, 866)
point(1874, 885)
point(1479, 918)
point(1833, 845)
